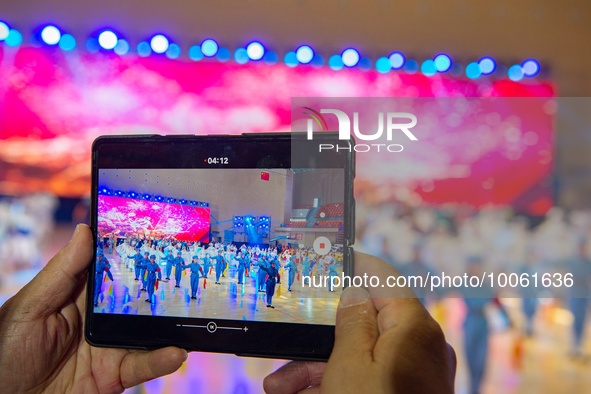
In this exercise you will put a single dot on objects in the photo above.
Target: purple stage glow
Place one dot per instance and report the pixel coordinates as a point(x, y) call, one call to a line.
point(127, 216)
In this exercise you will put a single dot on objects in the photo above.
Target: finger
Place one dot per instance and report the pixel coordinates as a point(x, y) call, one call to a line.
point(141, 366)
point(356, 330)
point(61, 277)
point(294, 377)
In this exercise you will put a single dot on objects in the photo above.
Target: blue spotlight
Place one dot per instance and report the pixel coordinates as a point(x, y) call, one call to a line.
point(223, 54)
point(365, 64)
point(159, 198)
point(51, 35)
point(132, 194)
point(241, 56)
point(515, 73)
point(120, 193)
point(4, 29)
point(255, 50)
point(383, 64)
point(183, 201)
point(122, 47)
point(317, 60)
point(143, 49)
point(530, 67)
point(487, 65)
point(397, 60)
point(195, 53)
point(209, 47)
point(270, 57)
point(159, 43)
point(193, 203)
point(442, 62)
point(473, 70)
point(146, 197)
point(107, 40)
point(173, 51)
point(305, 54)
point(290, 59)
point(428, 68)
point(411, 66)
point(67, 42)
point(92, 45)
point(335, 62)
point(350, 57)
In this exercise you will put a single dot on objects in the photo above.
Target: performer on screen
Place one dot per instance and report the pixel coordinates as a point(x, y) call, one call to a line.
point(306, 268)
point(152, 270)
point(293, 270)
point(331, 271)
point(169, 262)
point(242, 264)
point(196, 273)
point(137, 257)
point(220, 265)
point(262, 274)
point(178, 268)
point(102, 267)
point(143, 275)
point(271, 272)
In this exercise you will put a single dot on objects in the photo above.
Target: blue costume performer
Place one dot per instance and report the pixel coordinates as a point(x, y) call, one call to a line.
point(196, 273)
point(293, 270)
point(207, 264)
point(169, 263)
point(242, 264)
point(272, 273)
point(178, 268)
point(331, 271)
point(306, 268)
point(143, 265)
point(261, 275)
point(152, 270)
point(102, 266)
point(220, 265)
point(137, 257)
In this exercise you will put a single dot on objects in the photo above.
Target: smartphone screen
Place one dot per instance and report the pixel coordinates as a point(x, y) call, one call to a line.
point(218, 233)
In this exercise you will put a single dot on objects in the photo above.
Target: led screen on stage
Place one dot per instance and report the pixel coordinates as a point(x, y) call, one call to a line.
point(133, 217)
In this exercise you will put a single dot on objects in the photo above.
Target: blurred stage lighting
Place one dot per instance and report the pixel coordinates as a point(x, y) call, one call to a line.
point(195, 53)
point(411, 66)
point(4, 29)
point(107, 40)
point(530, 67)
point(290, 59)
point(487, 65)
point(223, 54)
point(428, 68)
point(255, 50)
point(365, 64)
point(173, 51)
point(473, 70)
point(241, 56)
point(350, 57)
point(67, 42)
point(305, 54)
point(159, 43)
point(143, 49)
point(122, 47)
point(209, 47)
point(335, 62)
point(383, 64)
point(442, 62)
point(515, 73)
point(270, 57)
point(51, 35)
point(397, 60)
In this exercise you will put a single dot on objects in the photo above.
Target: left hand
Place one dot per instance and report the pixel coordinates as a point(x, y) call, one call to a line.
point(42, 345)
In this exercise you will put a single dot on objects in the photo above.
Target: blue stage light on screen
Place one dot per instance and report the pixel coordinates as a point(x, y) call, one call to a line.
point(209, 47)
point(224, 54)
point(335, 62)
point(4, 29)
point(473, 70)
point(290, 59)
point(67, 42)
point(146, 197)
point(487, 65)
point(350, 57)
point(515, 73)
point(397, 60)
point(173, 51)
point(107, 39)
point(92, 45)
point(122, 47)
point(383, 64)
point(428, 68)
point(442, 62)
point(195, 53)
point(411, 66)
point(270, 57)
point(255, 50)
point(144, 49)
point(159, 43)
point(305, 54)
point(51, 35)
point(530, 67)
point(241, 56)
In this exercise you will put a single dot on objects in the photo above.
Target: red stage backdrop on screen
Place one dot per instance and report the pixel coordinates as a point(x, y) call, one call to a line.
point(164, 220)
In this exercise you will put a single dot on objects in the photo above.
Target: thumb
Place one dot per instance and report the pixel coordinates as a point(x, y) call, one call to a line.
point(59, 279)
point(356, 330)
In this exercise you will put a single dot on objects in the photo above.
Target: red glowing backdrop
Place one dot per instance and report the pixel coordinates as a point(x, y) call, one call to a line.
point(54, 103)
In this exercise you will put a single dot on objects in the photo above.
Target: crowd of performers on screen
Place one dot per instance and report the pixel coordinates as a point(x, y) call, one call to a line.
point(153, 260)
